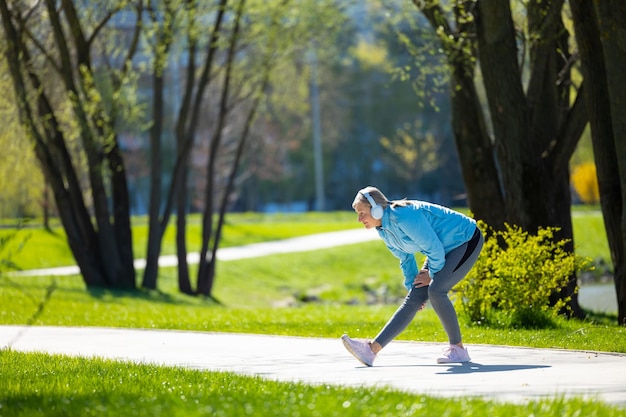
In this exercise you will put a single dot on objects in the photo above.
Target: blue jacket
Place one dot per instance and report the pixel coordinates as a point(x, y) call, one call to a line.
point(427, 228)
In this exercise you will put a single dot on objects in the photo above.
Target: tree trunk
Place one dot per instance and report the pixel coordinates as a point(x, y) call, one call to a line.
point(184, 281)
point(121, 217)
point(594, 56)
point(613, 28)
point(473, 143)
point(186, 125)
point(155, 231)
point(103, 252)
point(497, 55)
point(94, 128)
point(45, 205)
point(210, 239)
point(535, 131)
point(472, 137)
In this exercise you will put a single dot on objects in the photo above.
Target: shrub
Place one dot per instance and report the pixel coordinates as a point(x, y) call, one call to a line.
point(512, 281)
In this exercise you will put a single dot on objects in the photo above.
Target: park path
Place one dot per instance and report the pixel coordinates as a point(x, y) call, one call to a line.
point(499, 373)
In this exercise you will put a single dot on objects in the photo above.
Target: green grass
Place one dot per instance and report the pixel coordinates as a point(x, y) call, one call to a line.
point(324, 293)
point(33, 247)
point(590, 236)
point(35, 384)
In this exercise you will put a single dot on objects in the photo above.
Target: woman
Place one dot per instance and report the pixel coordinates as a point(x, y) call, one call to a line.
point(451, 242)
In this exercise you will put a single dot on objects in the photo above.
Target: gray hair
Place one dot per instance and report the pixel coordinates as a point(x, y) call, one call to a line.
point(377, 195)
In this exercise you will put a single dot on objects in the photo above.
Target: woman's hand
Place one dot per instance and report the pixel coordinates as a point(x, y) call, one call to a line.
point(422, 279)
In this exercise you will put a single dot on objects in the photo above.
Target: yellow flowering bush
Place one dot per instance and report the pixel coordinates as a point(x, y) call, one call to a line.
point(585, 183)
point(512, 281)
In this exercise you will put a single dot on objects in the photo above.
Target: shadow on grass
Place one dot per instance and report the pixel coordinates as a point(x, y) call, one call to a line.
point(108, 295)
point(601, 318)
point(35, 288)
point(73, 404)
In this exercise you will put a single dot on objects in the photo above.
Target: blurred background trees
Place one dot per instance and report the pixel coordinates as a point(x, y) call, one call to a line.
point(22, 184)
point(585, 183)
point(171, 107)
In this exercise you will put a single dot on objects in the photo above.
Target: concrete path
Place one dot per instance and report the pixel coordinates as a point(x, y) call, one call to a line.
point(496, 372)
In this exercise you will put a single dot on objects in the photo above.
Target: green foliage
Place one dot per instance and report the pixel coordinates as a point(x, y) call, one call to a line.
point(371, 55)
point(21, 180)
point(412, 151)
point(514, 278)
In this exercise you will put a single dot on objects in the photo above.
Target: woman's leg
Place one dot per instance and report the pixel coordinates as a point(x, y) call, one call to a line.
point(413, 302)
point(458, 264)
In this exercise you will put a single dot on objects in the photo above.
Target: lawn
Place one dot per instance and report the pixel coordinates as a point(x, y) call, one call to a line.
point(31, 246)
point(38, 385)
point(322, 293)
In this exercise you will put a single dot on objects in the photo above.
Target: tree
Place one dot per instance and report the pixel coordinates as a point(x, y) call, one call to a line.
point(228, 66)
point(51, 56)
point(253, 54)
point(515, 158)
point(74, 68)
point(381, 120)
point(600, 28)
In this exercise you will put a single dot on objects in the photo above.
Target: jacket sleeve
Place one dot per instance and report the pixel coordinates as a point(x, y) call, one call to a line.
point(407, 265)
point(420, 231)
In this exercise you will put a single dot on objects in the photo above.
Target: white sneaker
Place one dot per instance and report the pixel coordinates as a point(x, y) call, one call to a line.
point(454, 353)
point(360, 350)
